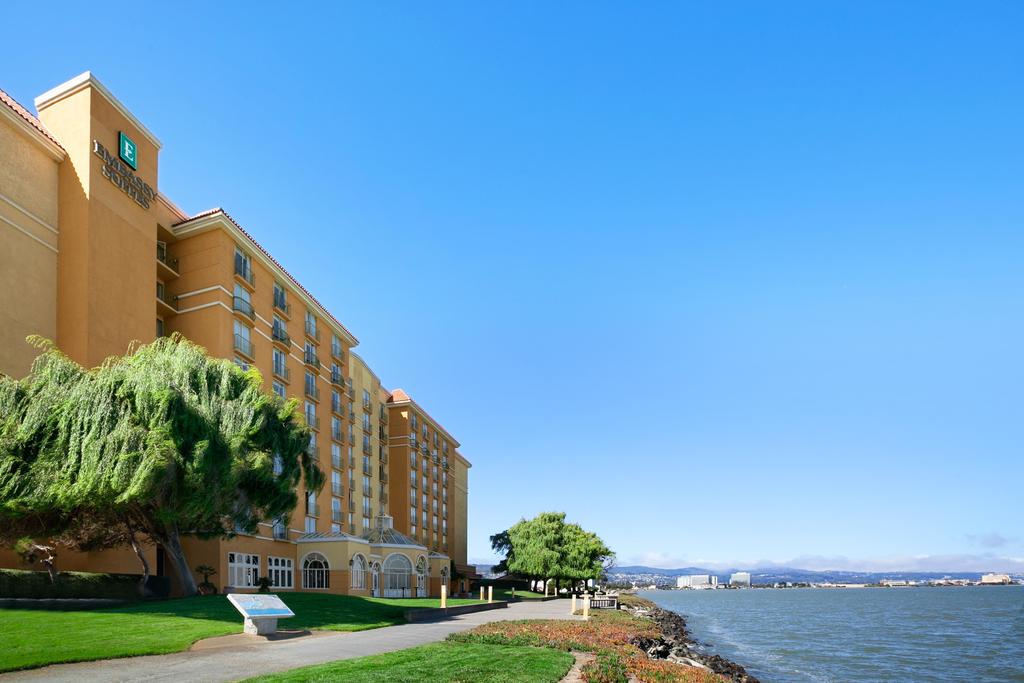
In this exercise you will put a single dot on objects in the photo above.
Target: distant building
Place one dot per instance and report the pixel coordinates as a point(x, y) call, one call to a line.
point(995, 579)
point(697, 581)
point(740, 580)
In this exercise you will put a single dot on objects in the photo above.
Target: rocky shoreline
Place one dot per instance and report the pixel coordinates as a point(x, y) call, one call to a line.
point(676, 644)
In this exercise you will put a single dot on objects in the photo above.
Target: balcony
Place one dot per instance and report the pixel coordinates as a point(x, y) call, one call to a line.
point(337, 435)
point(312, 331)
point(243, 307)
point(280, 532)
point(336, 488)
point(367, 470)
point(383, 457)
point(366, 449)
point(336, 516)
point(168, 303)
point(281, 303)
point(283, 373)
point(164, 259)
point(337, 378)
point(312, 392)
point(383, 417)
point(311, 449)
point(336, 405)
point(367, 405)
point(280, 335)
point(312, 508)
point(313, 422)
point(351, 416)
point(412, 442)
point(336, 464)
point(367, 428)
point(243, 271)
point(311, 359)
point(244, 346)
point(383, 476)
point(337, 351)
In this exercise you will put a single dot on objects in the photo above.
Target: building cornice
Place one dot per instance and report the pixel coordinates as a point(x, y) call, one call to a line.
point(417, 406)
point(87, 80)
point(55, 151)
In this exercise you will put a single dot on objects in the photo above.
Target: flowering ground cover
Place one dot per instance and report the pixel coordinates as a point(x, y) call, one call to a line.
point(606, 634)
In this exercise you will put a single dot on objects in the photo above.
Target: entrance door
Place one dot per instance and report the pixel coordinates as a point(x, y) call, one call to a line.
point(376, 580)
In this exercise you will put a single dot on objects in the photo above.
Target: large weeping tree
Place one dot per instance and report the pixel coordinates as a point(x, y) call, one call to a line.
point(166, 441)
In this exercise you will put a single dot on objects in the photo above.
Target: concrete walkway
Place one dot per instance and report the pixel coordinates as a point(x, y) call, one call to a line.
point(234, 658)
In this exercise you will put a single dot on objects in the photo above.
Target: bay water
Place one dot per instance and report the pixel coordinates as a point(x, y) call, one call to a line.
point(854, 635)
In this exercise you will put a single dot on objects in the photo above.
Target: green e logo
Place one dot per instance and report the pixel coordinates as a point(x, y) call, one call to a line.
point(127, 150)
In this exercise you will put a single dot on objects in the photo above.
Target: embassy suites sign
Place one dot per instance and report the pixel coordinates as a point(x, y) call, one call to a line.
point(120, 170)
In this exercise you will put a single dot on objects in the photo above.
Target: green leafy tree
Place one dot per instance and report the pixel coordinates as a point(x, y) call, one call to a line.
point(546, 547)
point(166, 439)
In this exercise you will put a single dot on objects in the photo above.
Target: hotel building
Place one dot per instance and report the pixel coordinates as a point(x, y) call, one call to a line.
point(86, 239)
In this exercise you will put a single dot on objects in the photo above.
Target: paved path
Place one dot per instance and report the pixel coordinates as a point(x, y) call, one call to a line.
point(243, 657)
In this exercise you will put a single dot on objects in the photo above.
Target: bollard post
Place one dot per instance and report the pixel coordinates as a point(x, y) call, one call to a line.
point(490, 594)
point(481, 593)
point(573, 609)
point(444, 596)
point(586, 607)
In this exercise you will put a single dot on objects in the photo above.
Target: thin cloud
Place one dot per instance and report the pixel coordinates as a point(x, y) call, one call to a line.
point(990, 540)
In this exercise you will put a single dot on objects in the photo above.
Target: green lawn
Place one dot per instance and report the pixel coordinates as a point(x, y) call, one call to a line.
point(506, 594)
point(444, 662)
point(38, 637)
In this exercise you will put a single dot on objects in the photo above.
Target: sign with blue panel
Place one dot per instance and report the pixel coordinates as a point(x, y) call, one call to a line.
point(260, 606)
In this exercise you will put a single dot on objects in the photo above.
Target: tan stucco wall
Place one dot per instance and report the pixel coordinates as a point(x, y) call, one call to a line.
point(28, 244)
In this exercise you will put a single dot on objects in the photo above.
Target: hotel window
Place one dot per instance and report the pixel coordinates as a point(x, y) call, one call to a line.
point(243, 570)
point(316, 571)
point(335, 401)
point(335, 528)
point(366, 421)
point(280, 363)
point(413, 422)
point(278, 389)
point(336, 348)
point(310, 525)
point(310, 413)
point(336, 432)
point(244, 364)
point(280, 330)
point(243, 265)
point(358, 572)
point(435, 439)
point(280, 297)
point(336, 509)
point(311, 324)
point(351, 457)
point(412, 480)
point(366, 523)
point(280, 571)
point(336, 483)
point(243, 338)
point(242, 301)
point(280, 530)
point(424, 511)
point(159, 327)
point(336, 460)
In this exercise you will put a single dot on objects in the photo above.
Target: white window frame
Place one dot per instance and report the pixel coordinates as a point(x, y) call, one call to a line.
point(243, 570)
point(281, 572)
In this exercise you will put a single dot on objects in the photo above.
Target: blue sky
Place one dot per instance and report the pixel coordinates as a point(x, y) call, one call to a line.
point(725, 282)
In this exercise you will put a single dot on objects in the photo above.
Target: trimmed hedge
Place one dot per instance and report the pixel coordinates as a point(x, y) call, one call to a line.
point(18, 583)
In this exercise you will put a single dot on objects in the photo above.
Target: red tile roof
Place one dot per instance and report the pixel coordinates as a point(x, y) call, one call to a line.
point(28, 116)
point(211, 212)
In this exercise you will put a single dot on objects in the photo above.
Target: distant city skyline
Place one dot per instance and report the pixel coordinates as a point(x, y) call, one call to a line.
point(718, 281)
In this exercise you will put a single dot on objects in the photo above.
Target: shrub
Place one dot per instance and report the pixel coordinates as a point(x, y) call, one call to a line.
point(18, 583)
point(606, 668)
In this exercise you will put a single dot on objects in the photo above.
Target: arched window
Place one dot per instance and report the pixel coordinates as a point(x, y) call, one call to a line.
point(359, 572)
point(421, 577)
point(316, 571)
point(397, 572)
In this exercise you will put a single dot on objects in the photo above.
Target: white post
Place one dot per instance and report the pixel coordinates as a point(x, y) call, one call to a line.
point(444, 596)
point(586, 607)
point(490, 594)
point(481, 593)
point(573, 609)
